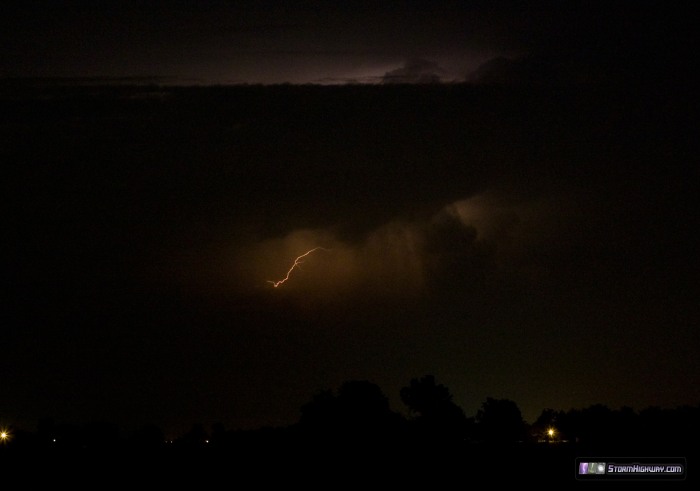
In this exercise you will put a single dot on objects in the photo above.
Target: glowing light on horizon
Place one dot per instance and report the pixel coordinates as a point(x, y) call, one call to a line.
point(297, 262)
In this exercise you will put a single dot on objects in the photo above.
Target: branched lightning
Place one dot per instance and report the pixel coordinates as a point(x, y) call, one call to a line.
point(297, 262)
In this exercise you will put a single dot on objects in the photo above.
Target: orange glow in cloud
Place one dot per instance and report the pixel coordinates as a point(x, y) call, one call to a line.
point(297, 262)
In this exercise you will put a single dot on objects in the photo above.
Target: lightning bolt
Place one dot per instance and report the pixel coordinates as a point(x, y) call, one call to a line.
point(297, 262)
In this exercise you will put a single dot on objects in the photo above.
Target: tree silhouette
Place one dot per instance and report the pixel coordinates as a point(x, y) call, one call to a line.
point(358, 412)
point(435, 415)
point(319, 416)
point(500, 421)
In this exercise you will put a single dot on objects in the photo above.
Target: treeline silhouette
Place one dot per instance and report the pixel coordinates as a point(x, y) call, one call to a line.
point(358, 412)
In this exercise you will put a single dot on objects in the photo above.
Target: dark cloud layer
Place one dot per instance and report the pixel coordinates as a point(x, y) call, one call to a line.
point(415, 72)
point(217, 42)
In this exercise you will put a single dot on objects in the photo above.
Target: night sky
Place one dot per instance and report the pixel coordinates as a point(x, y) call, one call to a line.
point(502, 195)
